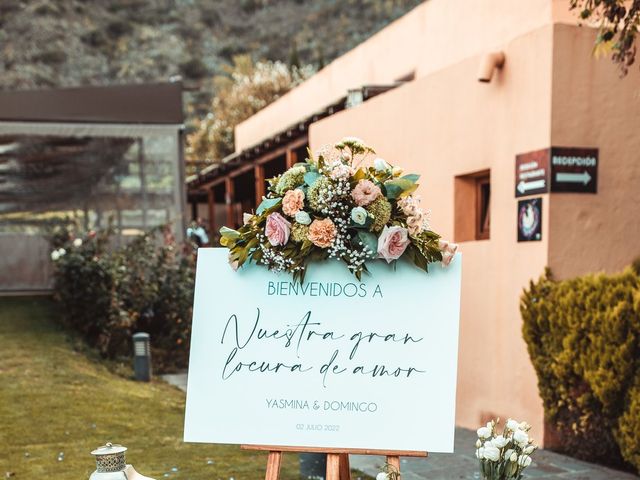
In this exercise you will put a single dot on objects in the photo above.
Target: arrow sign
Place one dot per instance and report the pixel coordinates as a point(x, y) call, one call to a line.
point(532, 173)
point(569, 177)
point(524, 187)
point(574, 170)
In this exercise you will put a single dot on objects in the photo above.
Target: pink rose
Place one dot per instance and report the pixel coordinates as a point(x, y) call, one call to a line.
point(277, 229)
point(448, 250)
point(365, 192)
point(292, 202)
point(392, 243)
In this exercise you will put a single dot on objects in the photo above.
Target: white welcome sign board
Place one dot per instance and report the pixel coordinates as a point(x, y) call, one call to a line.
point(333, 362)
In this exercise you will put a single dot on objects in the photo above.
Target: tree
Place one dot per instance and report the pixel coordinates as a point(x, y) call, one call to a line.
point(246, 88)
point(619, 21)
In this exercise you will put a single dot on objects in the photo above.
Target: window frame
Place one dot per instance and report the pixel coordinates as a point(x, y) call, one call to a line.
point(483, 207)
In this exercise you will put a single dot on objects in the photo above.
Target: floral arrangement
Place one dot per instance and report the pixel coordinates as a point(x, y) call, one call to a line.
point(338, 205)
point(504, 456)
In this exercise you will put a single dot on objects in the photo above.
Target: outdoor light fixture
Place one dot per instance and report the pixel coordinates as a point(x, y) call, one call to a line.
point(111, 464)
point(141, 356)
point(490, 62)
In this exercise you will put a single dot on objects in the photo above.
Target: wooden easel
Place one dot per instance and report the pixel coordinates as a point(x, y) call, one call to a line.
point(337, 458)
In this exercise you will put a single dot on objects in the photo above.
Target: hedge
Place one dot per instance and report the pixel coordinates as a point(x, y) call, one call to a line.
point(108, 293)
point(583, 337)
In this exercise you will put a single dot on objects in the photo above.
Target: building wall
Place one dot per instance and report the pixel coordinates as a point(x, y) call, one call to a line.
point(433, 36)
point(447, 124)
point(594, 107)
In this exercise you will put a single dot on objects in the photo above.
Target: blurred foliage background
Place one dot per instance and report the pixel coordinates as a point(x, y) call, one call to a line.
point(106, 293)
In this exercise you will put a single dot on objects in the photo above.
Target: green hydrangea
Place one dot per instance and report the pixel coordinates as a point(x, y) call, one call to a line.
point(292, 178)
point(299, 232)
point(380, 210)
point(315, 192)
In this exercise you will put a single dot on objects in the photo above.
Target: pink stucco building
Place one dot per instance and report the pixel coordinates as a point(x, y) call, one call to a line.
point(463, 137)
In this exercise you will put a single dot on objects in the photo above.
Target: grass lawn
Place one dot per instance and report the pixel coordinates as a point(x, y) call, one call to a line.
point(56, 399)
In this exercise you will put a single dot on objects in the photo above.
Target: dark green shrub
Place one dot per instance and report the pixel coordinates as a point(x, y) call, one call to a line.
point(583, 337)
point(108, 294)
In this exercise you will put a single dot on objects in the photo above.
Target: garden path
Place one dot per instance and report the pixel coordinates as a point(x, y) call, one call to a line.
point(463, 464)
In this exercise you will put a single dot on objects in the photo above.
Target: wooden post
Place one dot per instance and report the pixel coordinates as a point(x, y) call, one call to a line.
point(143, 182)
point(211, 201)
point(333, 466)
point(291, 158)
point(345, 469)
point(273, 465)
point(337, 458)
point(258, 173)
point(229, 200)
point(194, 210)
point(394, 461)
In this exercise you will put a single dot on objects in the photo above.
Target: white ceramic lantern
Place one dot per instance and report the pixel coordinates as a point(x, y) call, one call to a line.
point(111, 464)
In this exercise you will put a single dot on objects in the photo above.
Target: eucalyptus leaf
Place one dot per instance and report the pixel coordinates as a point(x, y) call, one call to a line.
point(266, 204)
point(409, 191)
point(412, 177)
point(403, 183)
point(311, 177)
point(395, 188)
point(369, 240)
point(393, 191)
point(229, 233)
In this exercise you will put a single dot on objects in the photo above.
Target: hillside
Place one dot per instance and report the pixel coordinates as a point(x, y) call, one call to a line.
point(47, 43)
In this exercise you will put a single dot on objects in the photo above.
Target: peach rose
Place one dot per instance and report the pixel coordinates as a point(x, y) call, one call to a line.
point(448, 250)
point(292, 202)
point(277, 229)
point(365, 192)
point(392, 242)
point(322, 233)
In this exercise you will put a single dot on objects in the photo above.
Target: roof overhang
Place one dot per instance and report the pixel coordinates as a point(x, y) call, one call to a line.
point(157, 103)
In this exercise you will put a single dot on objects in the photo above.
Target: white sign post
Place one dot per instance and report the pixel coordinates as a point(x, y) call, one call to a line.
point(333, 362)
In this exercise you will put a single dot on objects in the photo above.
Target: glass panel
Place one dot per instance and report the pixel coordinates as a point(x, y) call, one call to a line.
point(134, 182)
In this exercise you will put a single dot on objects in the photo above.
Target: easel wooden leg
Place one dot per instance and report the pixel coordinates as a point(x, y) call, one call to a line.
point(394, 462)
point(333, 466)
point(337, 459)
point(273, 465)
point(345, 469)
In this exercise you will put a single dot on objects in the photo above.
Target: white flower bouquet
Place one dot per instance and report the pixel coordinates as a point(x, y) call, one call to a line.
point(504, 456)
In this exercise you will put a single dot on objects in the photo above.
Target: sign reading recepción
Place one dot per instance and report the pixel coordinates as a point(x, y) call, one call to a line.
point(557, 169)
point(574, 170)
point(333, 362)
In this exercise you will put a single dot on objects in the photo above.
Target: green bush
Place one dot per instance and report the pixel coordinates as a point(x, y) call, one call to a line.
point(583, 337)
point(107, 294)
